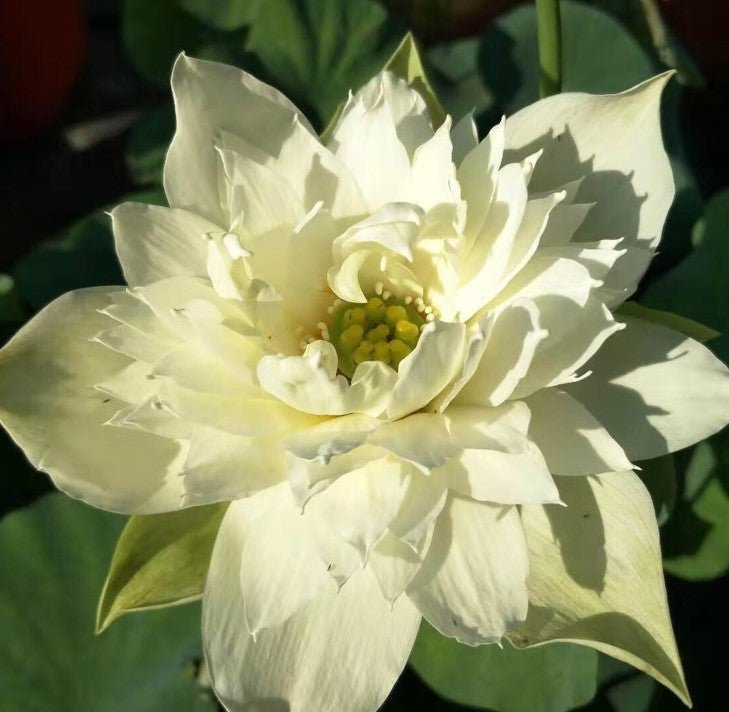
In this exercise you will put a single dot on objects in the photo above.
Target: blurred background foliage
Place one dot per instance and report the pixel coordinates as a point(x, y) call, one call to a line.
point(85, 119)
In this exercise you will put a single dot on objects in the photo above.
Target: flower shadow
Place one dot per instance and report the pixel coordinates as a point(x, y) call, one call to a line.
point(617, 208)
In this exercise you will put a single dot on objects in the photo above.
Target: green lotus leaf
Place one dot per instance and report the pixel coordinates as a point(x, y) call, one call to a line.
point(225, 15)
point(319, 50)
point(598, 55)
point(54, 554)
point(550, 678)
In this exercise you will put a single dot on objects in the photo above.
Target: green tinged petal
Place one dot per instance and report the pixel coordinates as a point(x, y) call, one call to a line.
point(684, 325)
point(596, 577)
point(406, 64)
point(159, 560)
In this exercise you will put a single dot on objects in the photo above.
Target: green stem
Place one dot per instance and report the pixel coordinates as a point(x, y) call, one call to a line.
point(549, 34)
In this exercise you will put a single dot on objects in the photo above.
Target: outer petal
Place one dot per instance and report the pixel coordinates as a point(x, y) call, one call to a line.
point(423, 502)
point(562, 353)
point(577, 322)
point(222, 466)
point(472, 584)
point(317, 456)
point(360, 505)
point(342, 652)
point(294, 263)
point(281, 570)
point(433, 172)
point(154, 242)
point(501, 478)
point(421, 438)
point(497, 463)
point(615, 143)
point(655, 390)
point(50, 407)
point(394, 564)
point(596, 576)
point(211, 98)
point(570, 438)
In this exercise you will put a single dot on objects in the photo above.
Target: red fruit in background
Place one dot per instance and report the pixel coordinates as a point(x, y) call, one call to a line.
point(42, 48)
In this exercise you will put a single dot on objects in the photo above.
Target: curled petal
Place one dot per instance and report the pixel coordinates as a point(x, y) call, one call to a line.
point(429, 368)
point(310, 382)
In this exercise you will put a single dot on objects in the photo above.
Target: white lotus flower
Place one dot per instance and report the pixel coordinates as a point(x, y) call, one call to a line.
point(381, 349)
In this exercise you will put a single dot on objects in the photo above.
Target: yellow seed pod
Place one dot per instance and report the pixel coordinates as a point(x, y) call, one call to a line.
point(351, 338)
point(381, 352)
point(395, 313)
point(354, 316)
point(398, 351)
point(363, 352)
point(407, 332)
point(375, 310)
point(379, 333)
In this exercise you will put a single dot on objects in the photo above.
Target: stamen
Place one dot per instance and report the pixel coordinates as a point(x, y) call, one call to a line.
point(378, 330)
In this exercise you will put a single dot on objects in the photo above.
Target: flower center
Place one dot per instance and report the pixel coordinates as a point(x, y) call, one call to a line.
point(383, 329)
